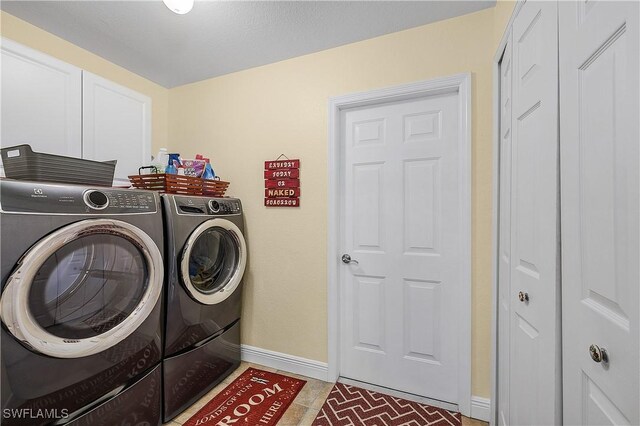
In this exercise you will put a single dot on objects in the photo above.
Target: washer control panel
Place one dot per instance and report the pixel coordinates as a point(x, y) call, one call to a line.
point(207, 206)
point(132, 200)
point(224, 206)
point(36, 197)
point(95, 199)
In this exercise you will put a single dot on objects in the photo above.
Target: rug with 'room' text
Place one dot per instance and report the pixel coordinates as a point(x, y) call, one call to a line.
point(256, 398)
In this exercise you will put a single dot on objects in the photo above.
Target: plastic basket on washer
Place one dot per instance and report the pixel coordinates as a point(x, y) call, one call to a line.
point(20, 162)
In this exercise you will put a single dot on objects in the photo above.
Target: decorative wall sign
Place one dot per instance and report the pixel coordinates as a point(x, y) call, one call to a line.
point(282, 202)
point(281, 192)
point(282, 164)
point(282, 183)
point(281, 173)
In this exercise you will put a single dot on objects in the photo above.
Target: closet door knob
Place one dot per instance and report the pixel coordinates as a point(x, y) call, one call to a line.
point(523, 297)
point(598, 354)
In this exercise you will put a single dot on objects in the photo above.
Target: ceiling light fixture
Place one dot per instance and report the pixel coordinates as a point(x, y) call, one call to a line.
point(179, 6)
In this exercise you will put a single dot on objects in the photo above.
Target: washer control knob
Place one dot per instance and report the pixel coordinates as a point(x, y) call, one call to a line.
point(214, 206)
point(97, 200)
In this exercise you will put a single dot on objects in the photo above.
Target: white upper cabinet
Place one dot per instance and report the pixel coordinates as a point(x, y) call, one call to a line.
point(116, 125)
point(41, 101)
point(60, 109)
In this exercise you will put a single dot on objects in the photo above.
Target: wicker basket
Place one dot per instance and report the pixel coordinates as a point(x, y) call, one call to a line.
point(178, 184)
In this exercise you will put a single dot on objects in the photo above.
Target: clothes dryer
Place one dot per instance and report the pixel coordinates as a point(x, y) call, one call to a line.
point(81, 306)
point(207, 255)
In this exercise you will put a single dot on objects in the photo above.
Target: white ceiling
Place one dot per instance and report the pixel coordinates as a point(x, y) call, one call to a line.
point(220, 37)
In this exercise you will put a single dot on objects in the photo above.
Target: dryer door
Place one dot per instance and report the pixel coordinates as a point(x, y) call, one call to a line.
point(213, 261)
point(83, 288)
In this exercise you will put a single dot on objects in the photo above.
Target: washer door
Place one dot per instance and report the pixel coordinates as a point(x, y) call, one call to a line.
point(83, 288)
point(213, 261)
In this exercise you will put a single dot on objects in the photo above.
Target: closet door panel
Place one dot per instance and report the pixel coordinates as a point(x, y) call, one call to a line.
point(504, 241)
point(534, 341)
point(600, 159)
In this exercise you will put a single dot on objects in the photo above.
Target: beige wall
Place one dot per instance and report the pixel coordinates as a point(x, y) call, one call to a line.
point(242, 119)
point(502, 13)
point(38, 39)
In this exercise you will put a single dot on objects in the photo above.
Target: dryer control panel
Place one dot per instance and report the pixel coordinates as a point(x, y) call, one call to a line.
point(207, 206)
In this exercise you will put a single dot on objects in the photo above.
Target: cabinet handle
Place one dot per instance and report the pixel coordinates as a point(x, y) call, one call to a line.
point(523, 297)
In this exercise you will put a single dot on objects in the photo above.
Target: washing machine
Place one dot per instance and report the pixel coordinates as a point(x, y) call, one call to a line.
point(81, 305)
point(207, 255)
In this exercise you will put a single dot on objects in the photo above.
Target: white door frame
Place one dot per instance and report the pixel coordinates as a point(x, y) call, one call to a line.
point(461, 84)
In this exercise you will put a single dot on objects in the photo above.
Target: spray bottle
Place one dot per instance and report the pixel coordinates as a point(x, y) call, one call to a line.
point(208, 170)
point(171, 168)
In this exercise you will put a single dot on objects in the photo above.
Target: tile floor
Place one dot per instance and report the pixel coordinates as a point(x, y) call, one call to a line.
point(303, 410)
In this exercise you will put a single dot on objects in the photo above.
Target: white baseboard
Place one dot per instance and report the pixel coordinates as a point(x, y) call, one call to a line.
point(480, 408)
point(285, 362)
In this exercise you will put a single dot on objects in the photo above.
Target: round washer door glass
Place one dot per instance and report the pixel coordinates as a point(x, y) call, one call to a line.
point(83, 288)
point(213, 261)
point(88, 286)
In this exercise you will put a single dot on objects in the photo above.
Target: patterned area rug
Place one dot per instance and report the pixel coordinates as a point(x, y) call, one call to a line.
point(257, 397)
point(352, 406)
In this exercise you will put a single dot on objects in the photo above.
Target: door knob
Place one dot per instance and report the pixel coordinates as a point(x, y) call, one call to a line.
point(523, 297)
point(347, 259)
point(598, 354)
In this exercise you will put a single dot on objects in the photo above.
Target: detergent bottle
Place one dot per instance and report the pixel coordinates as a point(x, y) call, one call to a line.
point(161, 160)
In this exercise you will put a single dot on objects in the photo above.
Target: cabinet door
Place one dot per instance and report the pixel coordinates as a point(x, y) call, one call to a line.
point(41, 101)
point(116, 125)
point(600, 159)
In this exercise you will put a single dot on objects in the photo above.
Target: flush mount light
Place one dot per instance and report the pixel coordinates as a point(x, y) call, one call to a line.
point(179, 6)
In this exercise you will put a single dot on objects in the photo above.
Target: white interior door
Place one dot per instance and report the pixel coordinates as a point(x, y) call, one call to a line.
point(116, 125)
point(599, 89)
point(504, 241)
point(403, 223)
point(534, 365)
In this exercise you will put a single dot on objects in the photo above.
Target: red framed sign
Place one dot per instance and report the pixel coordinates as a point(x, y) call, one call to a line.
point(281, 192)
point(282, 183)
point(281, 164)
point(282, 202)
point(282, 174)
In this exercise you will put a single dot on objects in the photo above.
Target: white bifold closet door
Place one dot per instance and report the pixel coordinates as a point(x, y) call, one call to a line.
point(504, 241)
point(528, 317)
point(600, 159)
